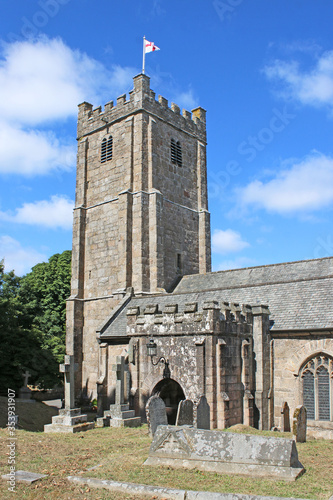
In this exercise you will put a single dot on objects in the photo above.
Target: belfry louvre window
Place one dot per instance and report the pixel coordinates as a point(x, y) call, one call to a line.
point(317, 387)
point(176, 153)
point(106, 149)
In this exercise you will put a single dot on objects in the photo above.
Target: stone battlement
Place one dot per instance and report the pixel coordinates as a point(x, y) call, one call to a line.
point(141, 98)
point(210, 317)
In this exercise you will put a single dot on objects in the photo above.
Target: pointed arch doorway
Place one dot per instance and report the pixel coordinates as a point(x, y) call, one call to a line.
point(171, 392)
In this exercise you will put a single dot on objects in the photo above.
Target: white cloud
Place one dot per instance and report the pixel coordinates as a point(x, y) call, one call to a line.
point(45, 80)
point(313, 87)
point(42, 82)
point(17, 258)
point(32, 152)
point(304, 186)
point(227, 241)
point(55, 213)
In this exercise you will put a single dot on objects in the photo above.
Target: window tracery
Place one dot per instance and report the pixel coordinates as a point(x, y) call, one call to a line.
point(317, 387)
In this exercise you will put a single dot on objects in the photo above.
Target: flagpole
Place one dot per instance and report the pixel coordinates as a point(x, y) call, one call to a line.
point(144, 55)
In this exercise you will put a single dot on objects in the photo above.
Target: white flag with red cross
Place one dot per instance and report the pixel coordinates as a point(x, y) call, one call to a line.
point(150, 47)
point(147, 47)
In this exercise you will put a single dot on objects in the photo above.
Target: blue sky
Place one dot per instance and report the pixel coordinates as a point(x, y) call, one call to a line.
point(262, 70)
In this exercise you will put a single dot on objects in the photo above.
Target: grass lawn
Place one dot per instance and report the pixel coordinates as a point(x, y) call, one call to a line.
point(119, 454)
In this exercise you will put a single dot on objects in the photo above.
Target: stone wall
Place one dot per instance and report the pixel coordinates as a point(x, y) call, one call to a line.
point(290, 354)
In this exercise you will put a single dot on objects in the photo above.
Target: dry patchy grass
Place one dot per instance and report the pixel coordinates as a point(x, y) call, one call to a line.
point(119, 454)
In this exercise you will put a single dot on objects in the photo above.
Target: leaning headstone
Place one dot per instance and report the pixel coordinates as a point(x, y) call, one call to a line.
point(203, 414)
point(69, 418)
point(225, 453)
point(285, 423)
point(299, 424)
point(156, 413)
point(185, 412)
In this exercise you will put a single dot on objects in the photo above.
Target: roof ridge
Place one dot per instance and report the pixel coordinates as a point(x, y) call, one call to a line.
point(258, 267)
point(254, 285)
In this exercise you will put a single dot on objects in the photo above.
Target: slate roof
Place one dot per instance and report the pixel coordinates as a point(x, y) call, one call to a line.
point(274, 273)
point(299, 294)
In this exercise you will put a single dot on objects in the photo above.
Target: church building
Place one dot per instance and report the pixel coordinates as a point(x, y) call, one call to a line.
point(251, 340)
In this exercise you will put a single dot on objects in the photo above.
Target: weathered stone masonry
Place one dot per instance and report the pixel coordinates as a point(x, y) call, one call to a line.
point(141, 270)
point(209, 348)
point(139, 220)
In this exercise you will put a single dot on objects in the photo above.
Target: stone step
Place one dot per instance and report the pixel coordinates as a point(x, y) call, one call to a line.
point(127, 414)
point(123, 407)
point(85, 426)
point(67, 420)
point(72, 412)
point(103, 422)
point(119, 414)
point(127, 422)
point(116, 411)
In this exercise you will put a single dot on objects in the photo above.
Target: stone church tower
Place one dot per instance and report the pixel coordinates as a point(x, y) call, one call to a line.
point(141, 218)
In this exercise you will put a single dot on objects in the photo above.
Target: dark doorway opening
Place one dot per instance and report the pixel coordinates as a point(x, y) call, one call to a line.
point(171, 392)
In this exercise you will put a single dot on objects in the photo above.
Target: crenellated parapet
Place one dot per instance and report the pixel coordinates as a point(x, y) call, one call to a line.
point(141, 98)
point(170, 319)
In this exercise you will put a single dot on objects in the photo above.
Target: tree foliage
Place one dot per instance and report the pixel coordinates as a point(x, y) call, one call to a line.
point(33, 322)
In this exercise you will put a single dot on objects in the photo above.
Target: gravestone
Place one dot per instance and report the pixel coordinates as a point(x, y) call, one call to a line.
point(69, 368)
point(24, 476)
point(225, 453)
point(119, 368)
point(156, 413)
point(185, 412)
point(26, 376)
point(119, 414)
point(299, 424)
point(203, 414)
point(285, 422)
point(69, 418)
point(16, 421)
point(25, 392)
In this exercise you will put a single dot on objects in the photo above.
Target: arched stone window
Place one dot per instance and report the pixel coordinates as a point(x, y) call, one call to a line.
point(176, 153)
point(106, 149)
point(317, 387)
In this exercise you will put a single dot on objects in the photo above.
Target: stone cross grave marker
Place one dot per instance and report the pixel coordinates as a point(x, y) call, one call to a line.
point(185, 412)
point(119, 368)
point(25, 392)
point(69, 368)
point(299, 424)
point(156, 413)
point(285, 421)
point(26, 377)
point(203, 413)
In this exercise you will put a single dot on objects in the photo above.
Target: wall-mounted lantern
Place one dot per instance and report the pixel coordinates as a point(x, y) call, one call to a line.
point(152, 352)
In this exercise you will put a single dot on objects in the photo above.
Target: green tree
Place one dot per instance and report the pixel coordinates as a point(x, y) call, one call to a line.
point(18, 342)
point(33, 322)
point(45, 291)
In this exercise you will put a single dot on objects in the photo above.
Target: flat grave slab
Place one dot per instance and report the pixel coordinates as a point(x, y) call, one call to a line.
point(25, 476)
point(225, 452)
